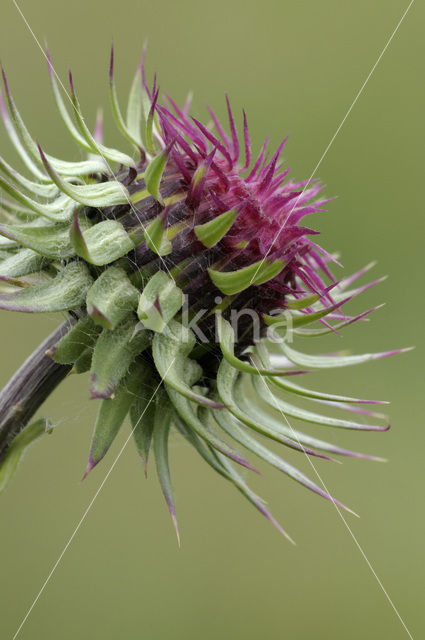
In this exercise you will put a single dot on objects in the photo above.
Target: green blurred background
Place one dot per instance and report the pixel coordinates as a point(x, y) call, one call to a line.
point(295, 67)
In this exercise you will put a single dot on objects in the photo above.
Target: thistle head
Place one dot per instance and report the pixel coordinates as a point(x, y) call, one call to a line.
point(186, 270)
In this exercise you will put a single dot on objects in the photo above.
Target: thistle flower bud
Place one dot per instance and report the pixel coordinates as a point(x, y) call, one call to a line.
point(185, 270)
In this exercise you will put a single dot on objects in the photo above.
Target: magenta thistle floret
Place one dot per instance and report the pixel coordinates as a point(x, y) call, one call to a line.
point(186, 272)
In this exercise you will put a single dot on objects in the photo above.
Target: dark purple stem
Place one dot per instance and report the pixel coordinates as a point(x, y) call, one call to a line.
point(29, 387)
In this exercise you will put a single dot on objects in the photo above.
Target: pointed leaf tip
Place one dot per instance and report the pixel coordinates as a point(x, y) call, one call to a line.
point(210, 233)
point(112, 413)
point(113, 354)
point(18, 447)
point(161, 299)
point(111, 63)
point(155, 170)
point(90, 466)
point(161, 432)
point(230, 282)
point(101, 243)
point(67, 290)
point(111, 298)
point(170, 350)
point(155, 237)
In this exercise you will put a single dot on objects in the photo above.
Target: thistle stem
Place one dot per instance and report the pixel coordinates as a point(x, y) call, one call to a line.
point(29, 387)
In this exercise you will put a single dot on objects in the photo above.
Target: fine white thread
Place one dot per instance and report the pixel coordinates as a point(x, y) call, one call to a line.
point(86, 512)
point(347, 526)
point(145, 230)
point(332, 140)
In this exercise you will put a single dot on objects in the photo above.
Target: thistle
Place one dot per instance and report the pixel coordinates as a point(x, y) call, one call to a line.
point(185, 273)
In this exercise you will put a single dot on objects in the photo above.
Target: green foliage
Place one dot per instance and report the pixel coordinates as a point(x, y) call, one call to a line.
point(161, 299)
point(102, 243)
point(111, 298)
point(213, 231)
point(71, 347)
point(18, 447)
point(67, 290)
point(155, 237)
point(112, 413)
point(230, 282)
point(113, 354)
